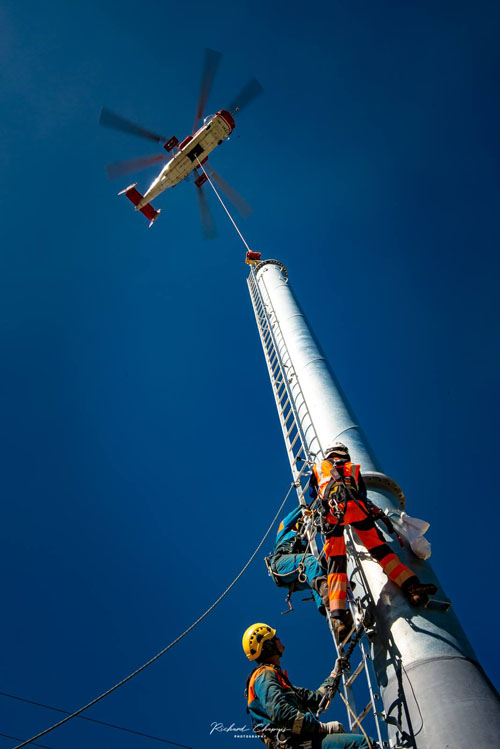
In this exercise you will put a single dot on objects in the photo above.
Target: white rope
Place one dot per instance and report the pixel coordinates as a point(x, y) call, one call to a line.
point(223, 204)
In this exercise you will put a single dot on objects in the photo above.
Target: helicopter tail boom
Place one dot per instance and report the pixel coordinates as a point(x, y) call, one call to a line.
point(136, 198)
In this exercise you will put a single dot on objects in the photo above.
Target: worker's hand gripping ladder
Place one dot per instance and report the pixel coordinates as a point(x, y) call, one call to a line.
point(295, 424)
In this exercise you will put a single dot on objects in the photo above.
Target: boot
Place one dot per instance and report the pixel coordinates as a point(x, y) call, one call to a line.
point(340, 631)
point(320, 585)
point(417, 593)
point(342, 628)
point(323, 590)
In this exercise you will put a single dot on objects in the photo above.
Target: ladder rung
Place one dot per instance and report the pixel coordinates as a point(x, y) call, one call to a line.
point(355, 674)
point(363, 714)
point(274, 373)
point(285, 405)
point(281, 397)
point(298, 459)
point(299, 451)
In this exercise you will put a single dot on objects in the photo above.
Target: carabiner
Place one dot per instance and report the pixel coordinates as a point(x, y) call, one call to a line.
point(302, 577)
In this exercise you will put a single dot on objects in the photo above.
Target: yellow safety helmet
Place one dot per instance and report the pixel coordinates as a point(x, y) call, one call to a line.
point(254, 638)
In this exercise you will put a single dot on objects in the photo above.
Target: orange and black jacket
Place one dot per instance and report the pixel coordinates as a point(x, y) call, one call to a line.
point(273, 702)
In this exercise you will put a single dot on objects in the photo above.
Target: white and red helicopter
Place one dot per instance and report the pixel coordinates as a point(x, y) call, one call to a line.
point(184, 158)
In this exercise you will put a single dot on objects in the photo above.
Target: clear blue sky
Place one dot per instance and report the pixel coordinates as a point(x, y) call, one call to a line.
point(133, 385)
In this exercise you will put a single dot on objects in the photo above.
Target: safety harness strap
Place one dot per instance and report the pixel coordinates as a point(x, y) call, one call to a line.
point(338, 492)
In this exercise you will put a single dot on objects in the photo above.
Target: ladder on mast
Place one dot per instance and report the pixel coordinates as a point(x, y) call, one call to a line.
point(302, 445)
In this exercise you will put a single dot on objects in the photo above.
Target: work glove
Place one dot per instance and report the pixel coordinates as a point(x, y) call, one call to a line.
point(333, 726)
point(341, 664)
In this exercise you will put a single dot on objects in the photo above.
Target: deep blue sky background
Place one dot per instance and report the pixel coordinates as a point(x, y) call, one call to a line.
point(133, 385)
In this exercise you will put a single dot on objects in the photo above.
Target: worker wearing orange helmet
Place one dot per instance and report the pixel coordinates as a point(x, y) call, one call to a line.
point(340, 486)
point(283, 715)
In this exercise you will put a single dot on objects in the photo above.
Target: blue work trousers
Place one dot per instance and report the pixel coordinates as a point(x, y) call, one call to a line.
point(287, 567)
point(345, 741)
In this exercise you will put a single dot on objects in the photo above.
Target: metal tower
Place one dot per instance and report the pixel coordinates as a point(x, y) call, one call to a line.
point(434, 692)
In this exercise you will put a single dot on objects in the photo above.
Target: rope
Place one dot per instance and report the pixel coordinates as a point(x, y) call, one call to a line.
point(16, 738)
point(168, 647)
point(356, 721)
point(223, 204)
point(91, 720)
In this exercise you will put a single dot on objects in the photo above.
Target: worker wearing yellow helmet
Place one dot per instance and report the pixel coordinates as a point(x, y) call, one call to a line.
point(283, 715)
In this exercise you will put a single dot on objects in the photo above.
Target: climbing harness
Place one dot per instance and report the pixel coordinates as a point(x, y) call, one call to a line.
point(294, 546)
point(337, 493)
point(277, 577)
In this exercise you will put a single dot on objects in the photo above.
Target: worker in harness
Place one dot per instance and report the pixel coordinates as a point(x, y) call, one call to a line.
point(292, 566)
point(283, 715)
point(340, 486)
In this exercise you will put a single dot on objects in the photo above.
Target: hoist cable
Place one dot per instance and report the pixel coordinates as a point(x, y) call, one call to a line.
point(16, 738)
point(168, 647)
point(223, 204)
point(92, 720)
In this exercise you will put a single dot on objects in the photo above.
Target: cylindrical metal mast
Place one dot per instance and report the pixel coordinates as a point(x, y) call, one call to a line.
point(421, 657)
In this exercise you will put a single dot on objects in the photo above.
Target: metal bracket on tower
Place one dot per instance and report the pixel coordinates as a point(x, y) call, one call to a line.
point(376, 480)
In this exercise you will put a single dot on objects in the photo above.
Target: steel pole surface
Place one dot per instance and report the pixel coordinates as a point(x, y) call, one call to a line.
point(432, 686)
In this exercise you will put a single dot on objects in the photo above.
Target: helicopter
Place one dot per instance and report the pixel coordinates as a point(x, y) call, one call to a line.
point(188, 156)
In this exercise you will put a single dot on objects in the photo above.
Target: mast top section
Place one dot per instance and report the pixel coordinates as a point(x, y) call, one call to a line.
point(271, 262)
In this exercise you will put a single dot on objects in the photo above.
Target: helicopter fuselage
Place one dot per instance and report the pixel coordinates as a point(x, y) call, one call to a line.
point(193, 150)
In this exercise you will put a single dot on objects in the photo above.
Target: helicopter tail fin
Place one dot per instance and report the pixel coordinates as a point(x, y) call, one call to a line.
point(135, 197)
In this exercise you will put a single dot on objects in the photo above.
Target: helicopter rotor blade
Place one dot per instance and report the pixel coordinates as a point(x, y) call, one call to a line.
point(121, 168)
point(210, 65)
point(207, 221)
point(241, 205)
point(248, 93)
point(117, 122)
